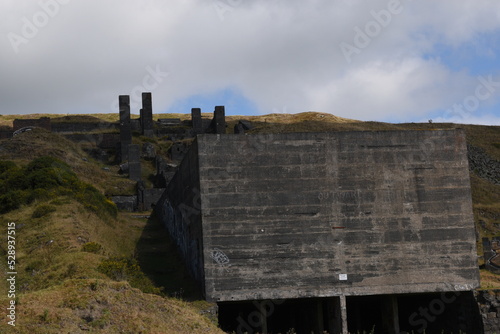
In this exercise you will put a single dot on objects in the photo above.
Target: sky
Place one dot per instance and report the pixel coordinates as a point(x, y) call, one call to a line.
point(388, 60)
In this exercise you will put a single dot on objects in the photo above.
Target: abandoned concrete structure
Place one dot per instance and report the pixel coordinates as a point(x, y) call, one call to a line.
point(105, 142)
point(337, 232)
point(147, 115)
point(346, 231)
point(43, 122)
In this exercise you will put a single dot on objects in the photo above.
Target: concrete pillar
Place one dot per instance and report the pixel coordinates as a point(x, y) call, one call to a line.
point(343, 314)
point(390, 314)
point(140, 196)
point(263, 313)
point(134, 162)
point(125, 128)
point(196, 121)
point(147, 115)
point(219, 120)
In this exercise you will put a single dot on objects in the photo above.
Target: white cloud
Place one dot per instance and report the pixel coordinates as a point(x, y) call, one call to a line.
point(279, 54)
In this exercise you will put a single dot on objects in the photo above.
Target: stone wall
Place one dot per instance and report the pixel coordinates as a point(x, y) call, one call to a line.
point(147, 198)
point(164, 172)
point(6, 132)
point(75, 127)
point(489, 305)
point(125, 203)
point(178, 209)
point(483, 165)
point(43, 122)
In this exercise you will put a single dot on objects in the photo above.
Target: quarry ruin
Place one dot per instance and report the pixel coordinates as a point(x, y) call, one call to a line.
point(342, 232)
point(330, 228)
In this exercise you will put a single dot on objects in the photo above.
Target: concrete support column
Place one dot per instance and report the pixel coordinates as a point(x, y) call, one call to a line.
point(125, 128)
point(343, 314)
point(196, 120)
point(147, 115)
point(134, 162)
point(390, 314)
point(219, 120)
point(263, 313)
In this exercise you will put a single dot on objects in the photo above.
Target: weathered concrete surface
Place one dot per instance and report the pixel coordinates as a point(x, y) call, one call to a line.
point(196, 121)
point(147, 198)
point(147, 115)
point(125, 203)
point(180, 211)
point(125, 128)
point(43, 122)
point(134, 162)
point(328, 214)
point(219, 120)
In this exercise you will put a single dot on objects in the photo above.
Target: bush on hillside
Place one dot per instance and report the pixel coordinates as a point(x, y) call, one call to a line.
point(92, 247)
point(123, 269)
point(44, 179)
point(12, 200)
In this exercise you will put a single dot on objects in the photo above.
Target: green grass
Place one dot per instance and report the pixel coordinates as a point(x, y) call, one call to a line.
point(45, 178)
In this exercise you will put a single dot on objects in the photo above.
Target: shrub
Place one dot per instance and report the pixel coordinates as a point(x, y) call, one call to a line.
point(119, 269)
point(12, 200)
point(6, 166)
point(71, 270)
point(123, 269)
point(13, 179)
point(49, 172)
point(94, 201)
point(46, 178)
point(43, 210)
point(92, 247)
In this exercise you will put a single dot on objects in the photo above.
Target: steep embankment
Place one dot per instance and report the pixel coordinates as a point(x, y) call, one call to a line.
point(77, 259)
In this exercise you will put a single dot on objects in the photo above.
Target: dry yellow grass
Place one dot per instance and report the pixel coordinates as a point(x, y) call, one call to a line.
point(489, 280)
point(60, 290)
point(102, 306)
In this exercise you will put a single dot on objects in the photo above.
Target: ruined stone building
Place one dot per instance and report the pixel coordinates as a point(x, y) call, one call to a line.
point(337, 232)
point(114, 139)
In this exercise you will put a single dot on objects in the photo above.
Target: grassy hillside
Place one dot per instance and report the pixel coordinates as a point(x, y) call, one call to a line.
point(81, 268)
point(83, 271)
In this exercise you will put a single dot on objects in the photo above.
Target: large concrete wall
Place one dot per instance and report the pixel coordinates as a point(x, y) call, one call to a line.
point(43, 122)
point(328, 214)
point(75, 127)
point(179, 210)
